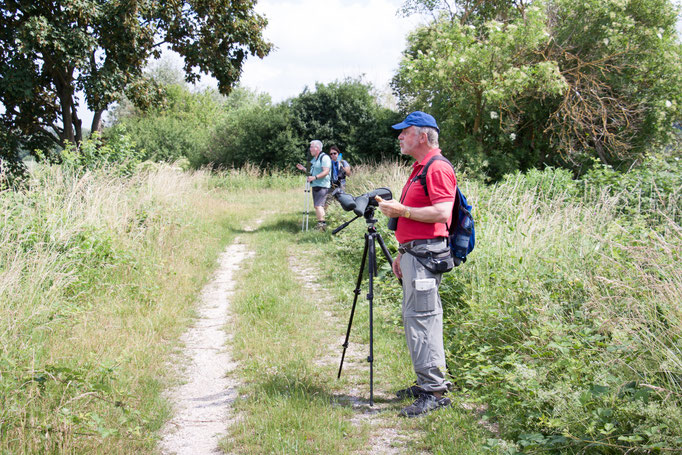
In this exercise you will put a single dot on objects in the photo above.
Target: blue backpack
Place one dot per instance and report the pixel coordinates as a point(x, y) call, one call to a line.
point(462, 236)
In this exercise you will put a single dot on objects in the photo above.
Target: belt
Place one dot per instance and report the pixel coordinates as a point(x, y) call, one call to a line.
point(407, 246)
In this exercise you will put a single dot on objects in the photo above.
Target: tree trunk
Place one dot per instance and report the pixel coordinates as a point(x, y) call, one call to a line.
point(600, 151)
point(77, 124)
point(479, 114)
point(63, 83)
point(97, 124)
point(66, 101)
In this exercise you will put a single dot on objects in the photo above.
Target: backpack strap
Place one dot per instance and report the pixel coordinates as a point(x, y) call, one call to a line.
point(421, 178)
point(318, 160)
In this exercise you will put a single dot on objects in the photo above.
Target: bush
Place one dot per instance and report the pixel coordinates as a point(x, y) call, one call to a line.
point(652, 189)
point(566, 318)
point(179, 129)
point(258, 134)
point(116, 153)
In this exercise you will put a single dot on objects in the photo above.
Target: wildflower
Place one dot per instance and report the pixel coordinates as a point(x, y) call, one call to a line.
point(494, 115)
point(512, 136)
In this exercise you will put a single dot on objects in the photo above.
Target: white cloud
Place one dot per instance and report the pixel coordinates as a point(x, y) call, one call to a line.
point(326, 41)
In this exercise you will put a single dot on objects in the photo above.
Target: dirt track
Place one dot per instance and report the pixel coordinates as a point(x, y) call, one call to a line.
point(202, 405)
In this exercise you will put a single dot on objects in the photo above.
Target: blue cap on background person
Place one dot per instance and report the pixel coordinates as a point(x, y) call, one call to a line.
point(417, 118)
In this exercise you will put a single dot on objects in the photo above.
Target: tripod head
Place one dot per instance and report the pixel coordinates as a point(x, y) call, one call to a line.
point(362, 205)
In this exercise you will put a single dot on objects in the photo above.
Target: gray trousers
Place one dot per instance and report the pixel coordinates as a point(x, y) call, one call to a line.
point(423, 320)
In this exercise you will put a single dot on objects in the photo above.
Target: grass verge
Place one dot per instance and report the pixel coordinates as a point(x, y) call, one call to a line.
point(287, 340)
point(98, 277)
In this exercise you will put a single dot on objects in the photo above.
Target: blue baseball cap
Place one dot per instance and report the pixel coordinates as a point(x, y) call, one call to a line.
point(417, 118)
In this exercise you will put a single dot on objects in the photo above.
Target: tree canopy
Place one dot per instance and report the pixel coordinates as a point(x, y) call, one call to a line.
point(521, 84)
point(343, 113)
point(247, 127)
point(52, 49)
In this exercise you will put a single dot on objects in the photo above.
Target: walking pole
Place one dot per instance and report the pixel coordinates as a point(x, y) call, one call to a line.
point(304, 223)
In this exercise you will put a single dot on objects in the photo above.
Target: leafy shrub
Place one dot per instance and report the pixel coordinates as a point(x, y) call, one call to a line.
point(565, 321)
point(179, 129)
point(117, 152)
point(259, 134)
point(652, 188)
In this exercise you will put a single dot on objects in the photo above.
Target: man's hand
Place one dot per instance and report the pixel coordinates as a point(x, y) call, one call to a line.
point(396, 267)
point(300, 167)
point(391, 208)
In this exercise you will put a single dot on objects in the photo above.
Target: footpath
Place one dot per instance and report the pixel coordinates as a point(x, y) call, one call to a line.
point(202, 404)
point(207, 415)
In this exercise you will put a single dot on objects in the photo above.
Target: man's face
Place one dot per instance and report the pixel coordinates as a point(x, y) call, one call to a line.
point(334, 155)
point(314, 150)
point(409, 140)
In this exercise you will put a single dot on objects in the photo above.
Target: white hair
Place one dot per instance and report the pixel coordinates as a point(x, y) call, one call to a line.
point(317, 144)
point(431, 135)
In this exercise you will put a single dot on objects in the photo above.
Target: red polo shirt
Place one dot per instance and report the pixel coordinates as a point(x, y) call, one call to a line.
point(442, 185)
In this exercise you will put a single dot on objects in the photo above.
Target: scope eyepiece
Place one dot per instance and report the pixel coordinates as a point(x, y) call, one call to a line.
point(360, 203)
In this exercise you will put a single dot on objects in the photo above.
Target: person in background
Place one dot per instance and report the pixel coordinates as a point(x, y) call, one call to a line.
point(340, 169)
point(422, 233)
point(319, 180)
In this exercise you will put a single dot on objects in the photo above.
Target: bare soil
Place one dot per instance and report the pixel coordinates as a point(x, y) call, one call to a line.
point(202, 404)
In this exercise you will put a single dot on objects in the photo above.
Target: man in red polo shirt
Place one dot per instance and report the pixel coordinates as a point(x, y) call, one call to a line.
point(422, 233)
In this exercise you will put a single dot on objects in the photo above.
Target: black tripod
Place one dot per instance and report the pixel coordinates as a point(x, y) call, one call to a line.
point(369, 255)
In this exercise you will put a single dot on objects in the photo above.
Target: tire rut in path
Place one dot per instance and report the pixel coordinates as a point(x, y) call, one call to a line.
point(202, 405)
point(385, 438)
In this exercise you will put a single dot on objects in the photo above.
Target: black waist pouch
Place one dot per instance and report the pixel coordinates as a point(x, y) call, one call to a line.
point(392, 224)
point(436, 262)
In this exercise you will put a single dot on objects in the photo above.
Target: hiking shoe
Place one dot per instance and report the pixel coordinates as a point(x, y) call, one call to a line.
point(410, 392)
point(321, 226)
point(426, 402)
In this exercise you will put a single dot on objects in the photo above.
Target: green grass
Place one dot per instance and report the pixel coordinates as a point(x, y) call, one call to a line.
point(292, 403)
point(99, 275)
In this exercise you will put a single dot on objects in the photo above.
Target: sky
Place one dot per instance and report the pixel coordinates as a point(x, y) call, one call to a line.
point(325, 41)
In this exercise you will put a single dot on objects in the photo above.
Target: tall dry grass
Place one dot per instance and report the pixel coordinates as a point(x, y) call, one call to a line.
point(98, 275)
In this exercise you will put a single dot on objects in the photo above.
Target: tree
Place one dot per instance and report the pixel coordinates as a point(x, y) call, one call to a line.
point(342, 113)
point(51, 49)
point(180, 127)
point(517, 85)
point(347, 114)
point(256, 132)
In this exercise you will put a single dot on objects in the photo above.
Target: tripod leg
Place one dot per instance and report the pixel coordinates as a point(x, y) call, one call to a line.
point(387, 254)
point(304, 223)
point(370, 298)
point(305, 205)
point(355, 300)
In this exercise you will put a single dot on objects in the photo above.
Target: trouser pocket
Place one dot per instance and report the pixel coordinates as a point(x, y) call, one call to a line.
point(426, 293)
